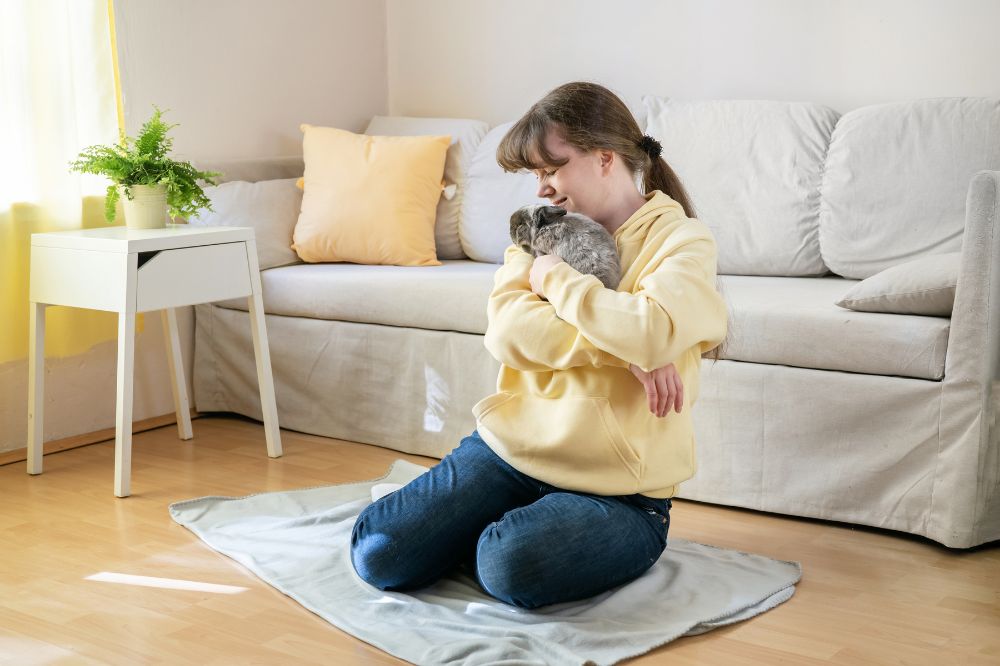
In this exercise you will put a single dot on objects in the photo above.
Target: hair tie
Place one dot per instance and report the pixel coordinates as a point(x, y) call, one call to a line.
point(650, 145)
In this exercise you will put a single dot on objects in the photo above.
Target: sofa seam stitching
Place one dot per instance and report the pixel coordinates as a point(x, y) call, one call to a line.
point(821, 199)
point(899, 293)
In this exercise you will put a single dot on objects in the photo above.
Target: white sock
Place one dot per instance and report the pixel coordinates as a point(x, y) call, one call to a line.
point(380, 490)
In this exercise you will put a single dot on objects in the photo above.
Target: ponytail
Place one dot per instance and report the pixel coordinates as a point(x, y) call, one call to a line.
point(659, 176)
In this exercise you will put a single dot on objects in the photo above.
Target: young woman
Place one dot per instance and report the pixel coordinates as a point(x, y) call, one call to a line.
point(563, 490)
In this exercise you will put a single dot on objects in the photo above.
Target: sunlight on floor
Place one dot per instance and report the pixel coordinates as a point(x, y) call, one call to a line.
point(168, 583)
point(41, 653)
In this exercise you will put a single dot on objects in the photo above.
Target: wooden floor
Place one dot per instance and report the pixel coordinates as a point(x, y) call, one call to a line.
point(867, 596)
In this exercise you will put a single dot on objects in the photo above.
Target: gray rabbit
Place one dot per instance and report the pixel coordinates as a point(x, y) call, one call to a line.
point(580, 241)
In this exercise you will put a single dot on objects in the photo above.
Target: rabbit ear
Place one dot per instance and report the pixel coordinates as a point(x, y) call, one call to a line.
point(548, 214)
point(519, 233)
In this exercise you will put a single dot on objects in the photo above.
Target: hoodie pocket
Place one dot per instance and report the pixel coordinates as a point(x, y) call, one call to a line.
point(577, 432)
point(617, 437)
point(489, 403)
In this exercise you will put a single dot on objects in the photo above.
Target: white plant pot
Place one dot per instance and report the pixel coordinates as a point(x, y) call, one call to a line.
point(148, 208)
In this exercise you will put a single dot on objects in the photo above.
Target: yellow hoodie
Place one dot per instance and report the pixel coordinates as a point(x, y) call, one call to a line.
point(567, 410)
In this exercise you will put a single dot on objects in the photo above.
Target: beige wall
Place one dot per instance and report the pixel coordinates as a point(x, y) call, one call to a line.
point(80, 390)
point(240, 76)
point(491, 60)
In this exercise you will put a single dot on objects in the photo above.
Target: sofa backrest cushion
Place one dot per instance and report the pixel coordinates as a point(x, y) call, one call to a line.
point(491, 196)
point(466, 136)
point(897, 177)
point(271, 207)
point(752, 170)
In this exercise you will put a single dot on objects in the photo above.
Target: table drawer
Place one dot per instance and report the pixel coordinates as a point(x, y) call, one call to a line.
point(79, 278)
point(185, 276)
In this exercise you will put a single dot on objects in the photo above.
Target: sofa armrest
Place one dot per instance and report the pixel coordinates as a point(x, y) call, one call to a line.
point(974, 339)
point(965, 496)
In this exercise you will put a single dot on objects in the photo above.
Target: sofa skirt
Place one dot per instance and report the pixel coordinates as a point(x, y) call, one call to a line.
point(863, 449)
point(406, 389)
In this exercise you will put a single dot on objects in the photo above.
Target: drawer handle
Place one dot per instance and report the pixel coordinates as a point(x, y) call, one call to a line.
point(146, 256)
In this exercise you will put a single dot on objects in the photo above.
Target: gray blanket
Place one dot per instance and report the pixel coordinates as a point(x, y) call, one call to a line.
point(299, 542)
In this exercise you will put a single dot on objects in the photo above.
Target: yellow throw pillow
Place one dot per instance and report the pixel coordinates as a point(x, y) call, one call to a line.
point(369, 199)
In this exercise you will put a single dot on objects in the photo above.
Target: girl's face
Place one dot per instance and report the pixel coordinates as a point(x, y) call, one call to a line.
point(578, 185)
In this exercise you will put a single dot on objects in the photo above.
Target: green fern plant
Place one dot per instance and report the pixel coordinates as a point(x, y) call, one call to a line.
point(144, 161)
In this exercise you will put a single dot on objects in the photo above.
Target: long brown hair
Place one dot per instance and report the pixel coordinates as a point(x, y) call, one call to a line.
point(589, 117)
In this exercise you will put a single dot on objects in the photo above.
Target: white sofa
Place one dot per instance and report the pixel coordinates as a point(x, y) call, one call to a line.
point(814, 410)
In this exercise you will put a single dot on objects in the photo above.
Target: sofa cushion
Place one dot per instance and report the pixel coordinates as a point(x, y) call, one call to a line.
point(924, 286)
point(491, 196)
point(449, 297)
point(752, 169)
point(897, 177)
point(369, 199)
point(794, 321)
point(788, 321)
point(466, 136)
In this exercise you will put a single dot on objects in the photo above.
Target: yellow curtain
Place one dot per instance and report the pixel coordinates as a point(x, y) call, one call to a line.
point(58, 94)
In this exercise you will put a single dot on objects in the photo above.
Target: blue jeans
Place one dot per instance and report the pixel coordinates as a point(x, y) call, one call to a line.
point(528, 543)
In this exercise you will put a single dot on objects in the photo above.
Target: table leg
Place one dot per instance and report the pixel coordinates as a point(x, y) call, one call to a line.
point(36, 386)
point(176, 363)
point(262, 355)
point(123, 410)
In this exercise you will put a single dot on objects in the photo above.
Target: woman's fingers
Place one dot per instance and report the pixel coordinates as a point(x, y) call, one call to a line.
point(679, 386)
point(651, 397)
point(646, 379)
point(676, 400)
point(663, 392)
point(664, 388)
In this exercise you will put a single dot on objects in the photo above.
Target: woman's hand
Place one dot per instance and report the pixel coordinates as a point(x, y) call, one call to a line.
point(539, 267)
point(663, 388)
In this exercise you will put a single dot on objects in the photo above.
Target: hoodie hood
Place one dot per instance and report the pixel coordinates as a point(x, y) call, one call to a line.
point(637, 227)
point(650, 231)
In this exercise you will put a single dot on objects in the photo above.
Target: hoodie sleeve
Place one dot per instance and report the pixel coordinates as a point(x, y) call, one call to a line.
point(675, 306)
point(525, 333)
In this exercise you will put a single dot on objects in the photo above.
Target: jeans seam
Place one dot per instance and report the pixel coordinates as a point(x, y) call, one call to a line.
point(475, 572)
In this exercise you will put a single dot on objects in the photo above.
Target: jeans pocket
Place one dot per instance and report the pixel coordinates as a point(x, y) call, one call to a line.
point(651, 504)
point(656, 510)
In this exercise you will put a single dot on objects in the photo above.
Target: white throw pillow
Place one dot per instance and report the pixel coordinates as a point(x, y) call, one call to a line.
point(491, 196)
point(465, 138)
point(924, 286)
point(271, 207)
point(752, 169)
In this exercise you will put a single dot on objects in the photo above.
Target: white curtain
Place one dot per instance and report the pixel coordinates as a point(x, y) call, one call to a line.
point(57, 96)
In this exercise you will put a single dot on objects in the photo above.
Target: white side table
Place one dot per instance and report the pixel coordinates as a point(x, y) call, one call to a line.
point(137, 270)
